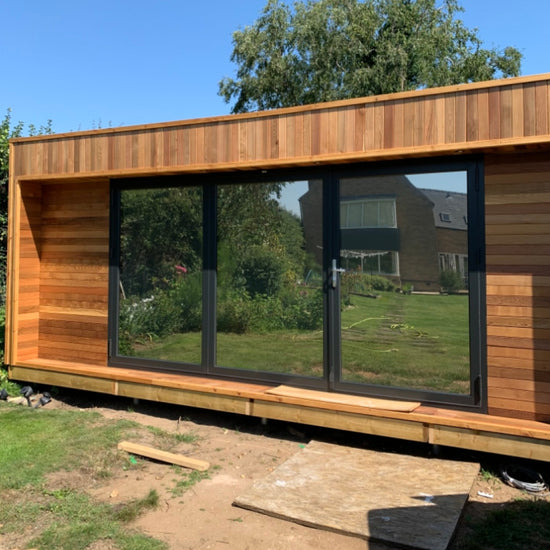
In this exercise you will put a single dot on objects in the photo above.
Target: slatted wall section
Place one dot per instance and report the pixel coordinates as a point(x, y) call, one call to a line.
point(417, 123)
point(518, 285)
point(74, 272)
point(26, 271)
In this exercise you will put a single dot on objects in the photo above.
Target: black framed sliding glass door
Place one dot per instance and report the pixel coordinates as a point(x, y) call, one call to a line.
point(366, 280)
point(410, 270)
point(269, 294)
point(219, 278)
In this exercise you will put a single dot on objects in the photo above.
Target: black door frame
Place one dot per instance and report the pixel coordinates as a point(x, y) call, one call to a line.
point(477, 398)
point(332, 379)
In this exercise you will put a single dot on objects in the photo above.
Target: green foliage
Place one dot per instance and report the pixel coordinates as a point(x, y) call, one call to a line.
point(130, 511)
point(355, 282)
point(2, 331)
point(322, 50)
point(418, 341)
point(511, 526)
point(233, 314)
point(189, 479)
point(451, 281)
point(175, 308)
point(262, 271)
point(160, 228)
point(378, 282)
point(296, 308)
point(28, 434)
point(12, 388)
point(38, 443)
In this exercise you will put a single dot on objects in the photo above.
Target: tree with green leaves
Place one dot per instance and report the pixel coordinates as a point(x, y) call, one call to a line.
point(323, 50)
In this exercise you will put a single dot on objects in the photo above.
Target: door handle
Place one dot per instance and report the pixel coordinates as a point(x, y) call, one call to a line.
point(334, 270)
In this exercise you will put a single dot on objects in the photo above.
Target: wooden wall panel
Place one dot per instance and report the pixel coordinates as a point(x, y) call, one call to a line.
point(470, 117)
point(74, 272)
point(517, 201)
point(27, 272)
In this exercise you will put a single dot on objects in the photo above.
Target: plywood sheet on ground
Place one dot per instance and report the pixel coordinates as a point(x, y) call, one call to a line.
point(341, 399)
point(410, 501)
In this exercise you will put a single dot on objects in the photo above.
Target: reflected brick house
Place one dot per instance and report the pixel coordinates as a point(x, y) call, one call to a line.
point(390, 227)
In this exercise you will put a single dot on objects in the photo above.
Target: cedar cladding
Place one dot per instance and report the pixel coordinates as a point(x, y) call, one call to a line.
point(58, 255)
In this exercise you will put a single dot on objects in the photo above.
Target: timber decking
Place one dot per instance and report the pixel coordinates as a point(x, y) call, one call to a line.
point(432, 425)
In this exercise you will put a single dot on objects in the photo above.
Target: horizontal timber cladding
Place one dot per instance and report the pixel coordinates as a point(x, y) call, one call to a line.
point(462, 118)
point(74, 272)
point(59, 210)
point(62, 273)
point(517, 214)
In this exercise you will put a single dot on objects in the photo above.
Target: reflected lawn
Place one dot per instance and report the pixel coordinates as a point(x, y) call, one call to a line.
point(414, 341)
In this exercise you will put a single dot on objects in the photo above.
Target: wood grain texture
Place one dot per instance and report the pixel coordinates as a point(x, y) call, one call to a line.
point(59, 210)
point(518, 436)
point(164, 456)
point(518, 280)
point(473, 117)
point(354, 505)
point(61, 268)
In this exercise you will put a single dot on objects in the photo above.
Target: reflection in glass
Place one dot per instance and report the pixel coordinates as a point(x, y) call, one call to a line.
point(161, 274)
point(404, 245)
point(269, 296)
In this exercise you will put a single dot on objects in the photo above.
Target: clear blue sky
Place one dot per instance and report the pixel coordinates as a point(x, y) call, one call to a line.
point(84, 63)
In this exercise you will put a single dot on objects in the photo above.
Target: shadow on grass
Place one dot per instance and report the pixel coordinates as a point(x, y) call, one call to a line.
point(516, 525)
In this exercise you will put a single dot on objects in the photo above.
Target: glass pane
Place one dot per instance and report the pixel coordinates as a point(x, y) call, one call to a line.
point(405, 304)
point(161, 274)
point(269, 294)
point(355, 215)
point(371, 214)
point(386, 209)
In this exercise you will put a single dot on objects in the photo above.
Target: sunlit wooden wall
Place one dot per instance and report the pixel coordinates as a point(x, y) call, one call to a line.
point(517, 189)
point(461, 118)
point(59, 210)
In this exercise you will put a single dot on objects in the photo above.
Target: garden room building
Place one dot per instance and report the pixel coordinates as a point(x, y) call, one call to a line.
point(378, 265)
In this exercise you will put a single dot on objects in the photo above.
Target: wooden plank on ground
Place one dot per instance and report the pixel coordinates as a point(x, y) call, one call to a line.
point(407, 501)
point(164, 456)
point(341, 399)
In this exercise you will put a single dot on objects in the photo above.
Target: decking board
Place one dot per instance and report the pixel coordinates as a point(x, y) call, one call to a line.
point(480, 432)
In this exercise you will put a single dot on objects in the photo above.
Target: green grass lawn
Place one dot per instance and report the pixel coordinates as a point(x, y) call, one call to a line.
point(414, 341)
point(36, 444)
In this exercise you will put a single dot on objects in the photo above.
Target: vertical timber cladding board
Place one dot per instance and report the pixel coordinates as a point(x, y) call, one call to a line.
point(474, 114)
point(74, 272)
point(27, 272)
point(517, 189)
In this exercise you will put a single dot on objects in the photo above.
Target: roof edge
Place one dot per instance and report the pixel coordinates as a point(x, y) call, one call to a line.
point(425, 92)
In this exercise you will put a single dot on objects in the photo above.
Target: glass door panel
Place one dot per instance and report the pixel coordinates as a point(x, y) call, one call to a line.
point(160, 270)
point(404, 294)
point(269, 284)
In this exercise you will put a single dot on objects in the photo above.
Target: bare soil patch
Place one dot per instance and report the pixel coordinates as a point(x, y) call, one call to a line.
point(240, 450)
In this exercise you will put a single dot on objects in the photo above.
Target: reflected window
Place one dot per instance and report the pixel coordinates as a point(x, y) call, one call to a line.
point(364, 213)
point(373, 262)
